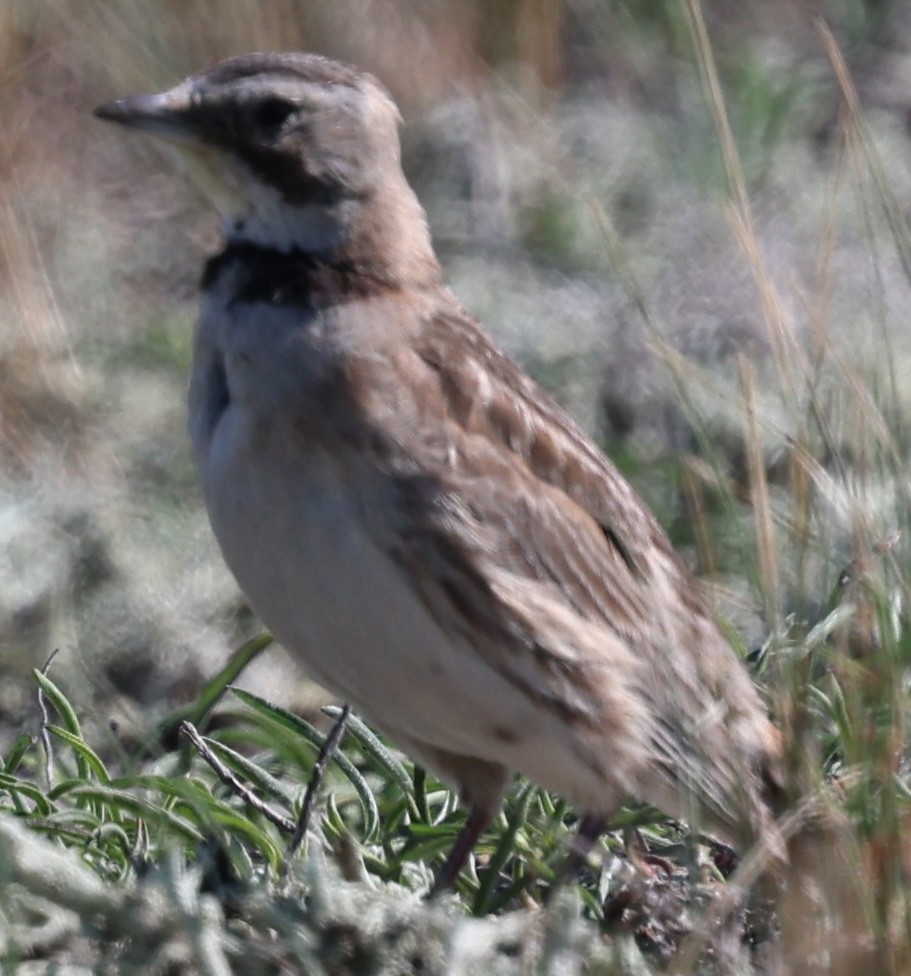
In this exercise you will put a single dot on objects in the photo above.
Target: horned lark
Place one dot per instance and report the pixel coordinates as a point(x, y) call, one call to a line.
point(416, 521)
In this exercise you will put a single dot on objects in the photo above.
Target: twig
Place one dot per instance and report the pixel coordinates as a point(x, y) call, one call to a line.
point(45, 721)
point(326, 752)
point(229, 779)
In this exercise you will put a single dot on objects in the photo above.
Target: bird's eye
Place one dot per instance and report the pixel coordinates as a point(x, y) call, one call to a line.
point(272, 113)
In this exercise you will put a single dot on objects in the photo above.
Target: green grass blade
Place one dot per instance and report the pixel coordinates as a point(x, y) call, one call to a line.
point(504, 849)
point(264, 781)
point(92, 762)
point(66, 712)
point(373, 746)
point(60, 702)
point(216, 688)
point(16, 754)
point(298, 726)
point(121, 800)
point(24, 790)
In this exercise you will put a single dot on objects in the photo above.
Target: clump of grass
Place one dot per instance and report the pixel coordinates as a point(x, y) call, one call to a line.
point(836, 670)
point(219, 810)
point(241, 788)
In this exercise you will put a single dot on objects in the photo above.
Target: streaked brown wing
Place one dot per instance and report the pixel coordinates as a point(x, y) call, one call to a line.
point(553, 515)
point(488, 394)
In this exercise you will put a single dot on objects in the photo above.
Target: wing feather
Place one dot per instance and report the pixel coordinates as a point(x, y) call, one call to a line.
point(497, 491)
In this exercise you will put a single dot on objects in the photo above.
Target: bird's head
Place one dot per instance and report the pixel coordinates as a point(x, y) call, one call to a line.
point(295, 151)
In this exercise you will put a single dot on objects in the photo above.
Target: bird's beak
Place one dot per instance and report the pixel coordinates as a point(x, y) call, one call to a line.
point(174, 117)
point(164, 114)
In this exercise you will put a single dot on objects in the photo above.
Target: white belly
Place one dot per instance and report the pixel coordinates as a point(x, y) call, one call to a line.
point(290, 532)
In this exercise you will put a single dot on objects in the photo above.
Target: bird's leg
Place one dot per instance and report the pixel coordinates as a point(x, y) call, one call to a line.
point(591, 827)
point(478, 819)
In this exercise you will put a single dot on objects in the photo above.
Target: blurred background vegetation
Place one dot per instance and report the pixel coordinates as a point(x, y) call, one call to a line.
point(731, 323)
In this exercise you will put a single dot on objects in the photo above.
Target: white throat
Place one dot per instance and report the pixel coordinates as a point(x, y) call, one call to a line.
point(256, 213)
point(265, 218)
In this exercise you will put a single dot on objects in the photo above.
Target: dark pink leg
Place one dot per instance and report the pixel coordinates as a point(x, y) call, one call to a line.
point(468, 837)
point(591, 827)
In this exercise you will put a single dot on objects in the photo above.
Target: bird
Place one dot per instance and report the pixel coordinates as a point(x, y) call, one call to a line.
point(426, 531)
